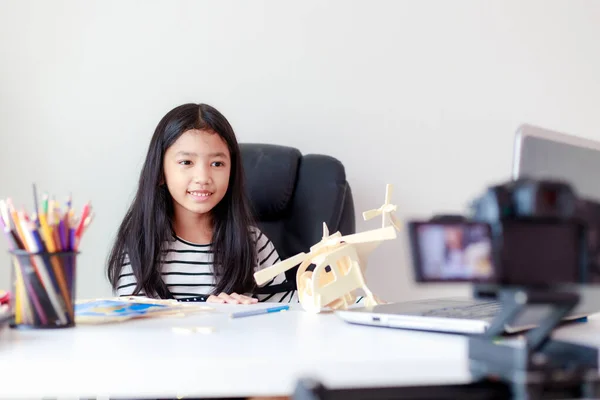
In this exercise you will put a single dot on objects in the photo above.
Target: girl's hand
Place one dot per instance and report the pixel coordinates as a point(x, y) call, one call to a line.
point(232, 298)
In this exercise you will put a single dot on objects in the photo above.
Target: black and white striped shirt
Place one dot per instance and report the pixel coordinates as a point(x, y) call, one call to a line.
point(187, 270)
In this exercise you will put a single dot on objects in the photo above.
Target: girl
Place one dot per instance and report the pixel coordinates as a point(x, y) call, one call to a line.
point(189, 233)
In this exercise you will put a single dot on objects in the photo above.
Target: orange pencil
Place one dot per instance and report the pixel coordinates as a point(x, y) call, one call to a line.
point(17, 223)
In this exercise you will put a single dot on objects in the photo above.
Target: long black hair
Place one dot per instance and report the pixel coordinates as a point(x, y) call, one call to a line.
point(147, 227)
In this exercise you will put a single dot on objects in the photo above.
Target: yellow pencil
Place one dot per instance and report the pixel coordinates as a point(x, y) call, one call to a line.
point(18, 296)
point(47, 233)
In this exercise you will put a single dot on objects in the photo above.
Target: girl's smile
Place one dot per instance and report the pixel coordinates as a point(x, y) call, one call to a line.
point(199, 195)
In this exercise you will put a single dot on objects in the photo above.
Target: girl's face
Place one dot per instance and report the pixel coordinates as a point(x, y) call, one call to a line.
point(454, 238)
point(197, 168)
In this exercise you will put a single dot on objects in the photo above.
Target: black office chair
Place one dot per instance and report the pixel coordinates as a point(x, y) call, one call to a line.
point(292, 195)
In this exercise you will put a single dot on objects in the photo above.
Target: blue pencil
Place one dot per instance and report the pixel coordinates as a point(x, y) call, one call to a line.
point(259, 311)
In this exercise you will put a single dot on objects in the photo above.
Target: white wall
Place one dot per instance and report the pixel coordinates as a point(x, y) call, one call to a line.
point(424, 95)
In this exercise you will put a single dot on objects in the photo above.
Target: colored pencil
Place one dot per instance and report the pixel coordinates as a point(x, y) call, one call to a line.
point(35, 202)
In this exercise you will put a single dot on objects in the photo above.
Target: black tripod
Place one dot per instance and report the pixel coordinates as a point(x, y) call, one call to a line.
point(535, 367)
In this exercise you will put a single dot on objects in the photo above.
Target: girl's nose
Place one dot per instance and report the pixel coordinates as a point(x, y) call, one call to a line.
point(202, 180)
point(202, 176)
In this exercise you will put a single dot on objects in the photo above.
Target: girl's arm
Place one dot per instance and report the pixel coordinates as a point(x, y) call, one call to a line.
point(268, 256)
point(127, 282)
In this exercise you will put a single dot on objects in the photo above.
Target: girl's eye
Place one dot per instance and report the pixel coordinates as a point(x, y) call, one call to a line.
point(185, 162)
point(217, 164)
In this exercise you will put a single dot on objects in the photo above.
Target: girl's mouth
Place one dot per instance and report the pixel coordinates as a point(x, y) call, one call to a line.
point(199, 195)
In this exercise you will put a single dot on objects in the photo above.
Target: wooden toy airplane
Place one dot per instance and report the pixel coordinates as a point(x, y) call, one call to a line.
point(345, 256)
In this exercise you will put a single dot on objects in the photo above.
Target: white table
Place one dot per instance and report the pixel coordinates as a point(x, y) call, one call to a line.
point(260, 355)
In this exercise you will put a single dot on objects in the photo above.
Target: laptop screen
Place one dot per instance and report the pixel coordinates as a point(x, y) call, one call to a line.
point(545, 158)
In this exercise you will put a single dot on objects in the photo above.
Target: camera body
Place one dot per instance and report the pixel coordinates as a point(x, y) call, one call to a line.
point(533, 233)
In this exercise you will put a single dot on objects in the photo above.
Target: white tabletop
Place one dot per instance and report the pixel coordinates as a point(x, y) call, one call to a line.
point(258, 355)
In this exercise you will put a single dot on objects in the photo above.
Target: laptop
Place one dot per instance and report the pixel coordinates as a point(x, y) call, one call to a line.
point(540, 154)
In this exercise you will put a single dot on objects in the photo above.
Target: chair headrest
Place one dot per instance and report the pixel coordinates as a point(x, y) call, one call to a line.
point(271, 174)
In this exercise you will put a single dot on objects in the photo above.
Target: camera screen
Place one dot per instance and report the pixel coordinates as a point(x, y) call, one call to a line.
point(445, 252)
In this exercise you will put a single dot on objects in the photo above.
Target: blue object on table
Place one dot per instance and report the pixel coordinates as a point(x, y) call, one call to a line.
point(259, 311)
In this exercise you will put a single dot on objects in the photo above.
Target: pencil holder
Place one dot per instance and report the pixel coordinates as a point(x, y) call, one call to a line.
point(43, 289)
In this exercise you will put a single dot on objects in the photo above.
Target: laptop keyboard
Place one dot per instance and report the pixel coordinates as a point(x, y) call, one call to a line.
point(473, 311)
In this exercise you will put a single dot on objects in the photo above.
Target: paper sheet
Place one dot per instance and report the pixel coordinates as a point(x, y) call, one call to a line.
point(100, 311)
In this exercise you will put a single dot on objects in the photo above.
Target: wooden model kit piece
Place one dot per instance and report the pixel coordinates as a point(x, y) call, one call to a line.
point(332, 270)
point(385, 210)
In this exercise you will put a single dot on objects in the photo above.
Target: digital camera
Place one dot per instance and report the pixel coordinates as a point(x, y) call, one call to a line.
point(524, 232)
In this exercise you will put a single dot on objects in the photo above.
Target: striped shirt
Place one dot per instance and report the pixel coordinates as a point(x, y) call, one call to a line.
point(187, 270)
